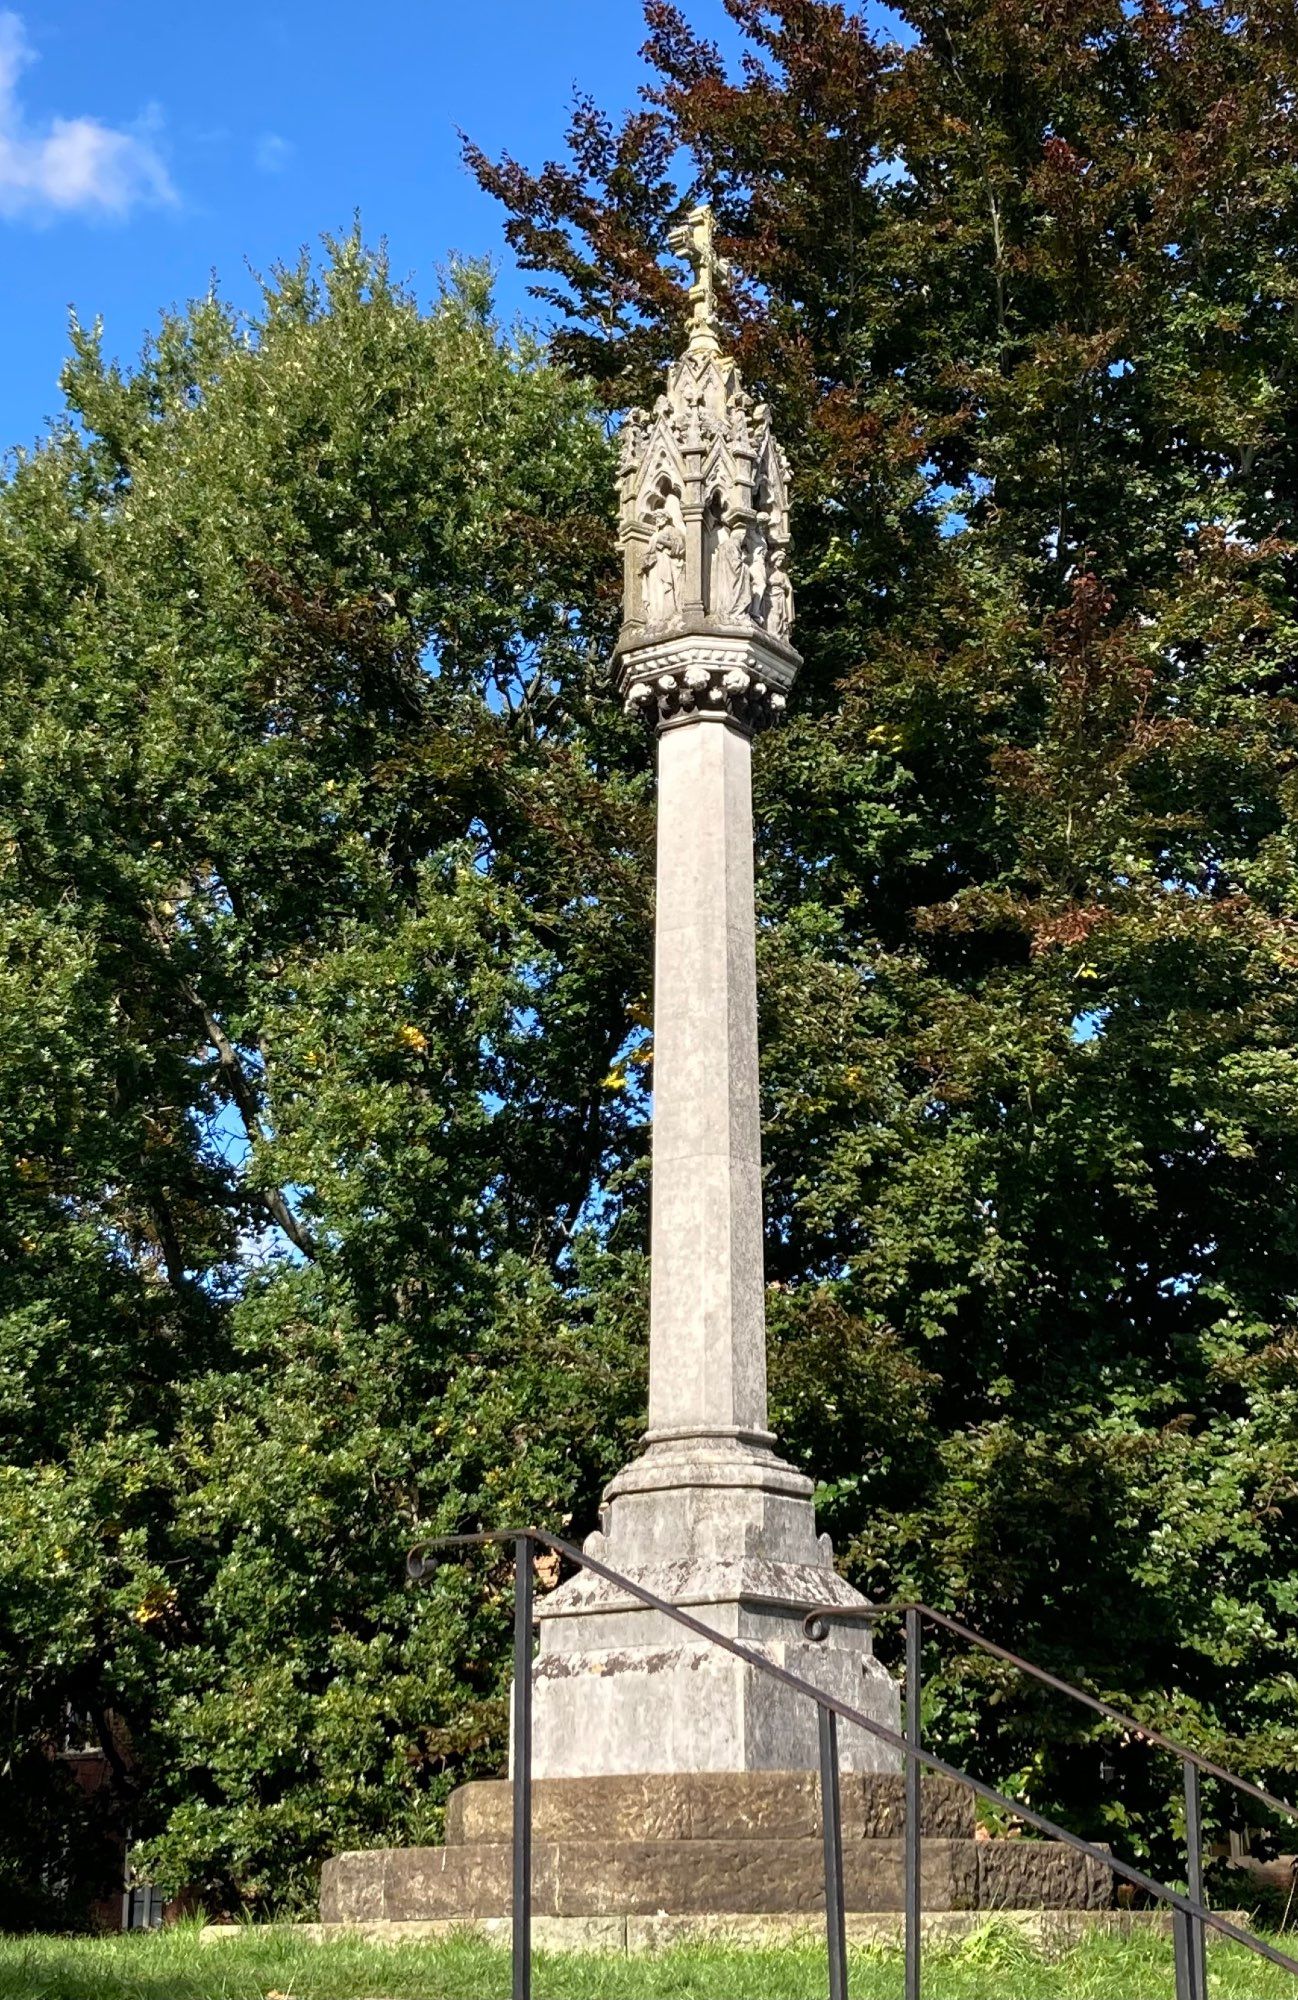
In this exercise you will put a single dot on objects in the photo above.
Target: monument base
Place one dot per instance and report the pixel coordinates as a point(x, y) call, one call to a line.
point(722, 1528)
point(743, 1843)
point(622, 1690)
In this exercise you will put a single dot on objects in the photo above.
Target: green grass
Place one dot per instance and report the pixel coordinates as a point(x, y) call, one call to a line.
point(994, 1964)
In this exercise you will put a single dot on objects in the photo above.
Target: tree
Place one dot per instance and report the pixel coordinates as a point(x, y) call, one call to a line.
point(322, 906)
point(1019, 287)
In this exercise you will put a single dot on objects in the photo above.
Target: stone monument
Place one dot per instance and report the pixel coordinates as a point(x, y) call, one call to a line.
point(708, 1516)
point(676, 1787)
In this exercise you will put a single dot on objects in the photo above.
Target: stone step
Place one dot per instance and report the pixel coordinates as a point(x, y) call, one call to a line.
point(1050, 1932)
point(746, 1876)
point(708, 1805)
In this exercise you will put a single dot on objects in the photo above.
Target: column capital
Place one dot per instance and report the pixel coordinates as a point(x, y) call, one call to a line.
point(738, 676)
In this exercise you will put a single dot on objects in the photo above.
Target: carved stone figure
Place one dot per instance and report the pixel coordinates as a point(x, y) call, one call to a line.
point(663, 566)
point(780, 617)
point(635, 435)
point(692, 423)
point(704, 501)
point(728, 584)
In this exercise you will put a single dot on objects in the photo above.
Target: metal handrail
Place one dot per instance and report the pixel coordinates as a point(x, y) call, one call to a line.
point(1192, 1912)
point(820, 1615)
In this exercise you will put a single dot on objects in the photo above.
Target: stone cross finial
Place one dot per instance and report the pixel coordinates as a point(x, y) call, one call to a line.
point(693, 240)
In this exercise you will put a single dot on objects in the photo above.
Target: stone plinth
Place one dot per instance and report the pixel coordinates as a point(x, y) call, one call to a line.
point(619, 1688)
point(746, 1844)
point(1053, 1933)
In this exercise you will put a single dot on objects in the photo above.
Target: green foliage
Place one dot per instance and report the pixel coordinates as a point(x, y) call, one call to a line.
point(322, 895)
point(324, 934)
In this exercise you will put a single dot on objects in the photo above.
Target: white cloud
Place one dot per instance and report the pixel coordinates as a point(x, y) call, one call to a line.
point(71, 166)
point(273, 153)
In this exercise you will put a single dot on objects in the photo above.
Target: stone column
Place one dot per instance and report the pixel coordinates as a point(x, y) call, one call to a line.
point(707, 1516)
point(707, 1346)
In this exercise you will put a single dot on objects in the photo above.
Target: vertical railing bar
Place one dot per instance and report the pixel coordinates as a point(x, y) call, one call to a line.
point(913, 1908)
point(831, 1821)
point(522, 1760)
point(1183, 1954)
point(1194, 1878)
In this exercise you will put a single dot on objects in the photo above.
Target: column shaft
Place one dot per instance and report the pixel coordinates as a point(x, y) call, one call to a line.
point(707, 1354)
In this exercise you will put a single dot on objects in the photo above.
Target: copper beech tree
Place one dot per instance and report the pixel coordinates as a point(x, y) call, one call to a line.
point(1019, 284)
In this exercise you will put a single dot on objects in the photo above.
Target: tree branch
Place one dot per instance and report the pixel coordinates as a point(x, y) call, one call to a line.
point(242, 1093)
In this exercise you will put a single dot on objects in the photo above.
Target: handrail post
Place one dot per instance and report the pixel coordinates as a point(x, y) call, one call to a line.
point(831, 1821)
point(1183, 1954)
point(912, 1885)
point(522, 1760)
point(1194, 1878)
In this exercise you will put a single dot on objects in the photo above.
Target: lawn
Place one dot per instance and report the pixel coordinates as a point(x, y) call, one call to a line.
point(994, 1964)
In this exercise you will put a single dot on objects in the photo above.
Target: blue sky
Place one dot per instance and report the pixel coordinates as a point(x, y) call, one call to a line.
point(145, 144)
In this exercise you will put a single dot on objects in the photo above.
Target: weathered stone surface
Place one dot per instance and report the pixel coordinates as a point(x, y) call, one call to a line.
point(637, 1878)
point(706, 1806)
point(448, 1881)
point(746, 1874)
point(1052, 1932)
point(1039, 1874)
point(695, 1707)
point(945, 1809)
point(351, 1887)
point(707, 1362)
